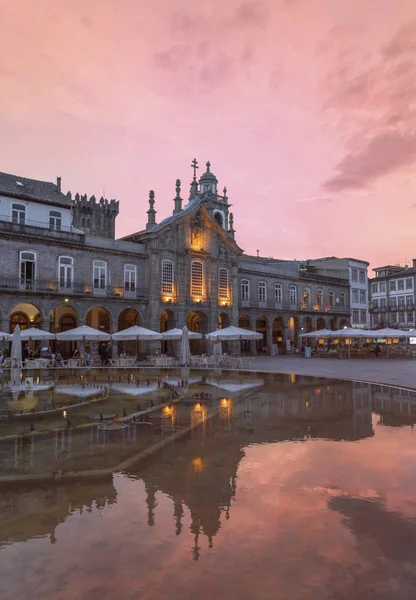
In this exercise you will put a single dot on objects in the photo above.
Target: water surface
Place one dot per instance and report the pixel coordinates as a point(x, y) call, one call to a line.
point(296, 489)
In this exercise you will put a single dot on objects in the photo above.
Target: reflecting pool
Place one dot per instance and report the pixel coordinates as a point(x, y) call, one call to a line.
point(259, 486)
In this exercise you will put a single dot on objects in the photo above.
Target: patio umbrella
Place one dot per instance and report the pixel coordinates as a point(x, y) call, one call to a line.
point(83, 333)
point(176, 334)
point(320, 333)
point(349, 333)
point(390, 333)
point(185, 349)
point(136, 333)
point(217, 349)
point(33, 333)
point(233, 333)
point(16, 348)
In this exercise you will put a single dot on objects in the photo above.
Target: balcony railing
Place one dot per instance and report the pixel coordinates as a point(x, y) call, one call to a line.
point(75, 288)
point(294, 307)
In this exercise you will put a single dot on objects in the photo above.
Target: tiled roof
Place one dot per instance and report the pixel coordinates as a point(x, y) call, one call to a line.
point(32, 189)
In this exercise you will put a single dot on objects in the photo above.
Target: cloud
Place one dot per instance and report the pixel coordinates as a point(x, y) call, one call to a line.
point(374, 111)
point(382, 155)
point(251, 13)
point(172, 59)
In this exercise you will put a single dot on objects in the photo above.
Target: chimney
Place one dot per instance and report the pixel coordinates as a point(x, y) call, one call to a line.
point(414, 263)
point(58, 184)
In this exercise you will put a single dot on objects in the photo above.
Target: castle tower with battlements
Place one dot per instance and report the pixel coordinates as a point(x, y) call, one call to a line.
point(95, 218)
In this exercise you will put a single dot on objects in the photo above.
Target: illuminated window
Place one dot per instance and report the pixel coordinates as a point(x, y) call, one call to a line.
point(197, 278)
point(245, 290)
point(223, 284)
point(306, 296)
point(319, 297)
point(278, 293)
point(167, 277)
point(262, 291)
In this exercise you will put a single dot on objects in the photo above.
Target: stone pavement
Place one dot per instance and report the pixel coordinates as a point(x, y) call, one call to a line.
point(394, 372)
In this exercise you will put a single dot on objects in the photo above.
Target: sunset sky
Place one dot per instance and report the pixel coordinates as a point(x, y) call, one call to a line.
point(305, 108)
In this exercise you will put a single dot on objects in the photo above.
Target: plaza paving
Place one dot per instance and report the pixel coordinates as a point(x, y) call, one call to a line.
point(395, 371)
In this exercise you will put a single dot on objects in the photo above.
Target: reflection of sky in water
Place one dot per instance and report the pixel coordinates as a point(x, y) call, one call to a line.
point(271, 500)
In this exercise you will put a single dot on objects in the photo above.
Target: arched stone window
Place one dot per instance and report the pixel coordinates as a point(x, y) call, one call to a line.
point(293, 295)
point(319, 297)
point(65, 272)
point(100, 275)
point(278, 293)
point(197, 279)
point(223, 284)
point(168, 277)
point(262, 291)
point(245, 290)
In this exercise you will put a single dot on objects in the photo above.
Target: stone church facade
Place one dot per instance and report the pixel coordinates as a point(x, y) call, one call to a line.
point(65, 268)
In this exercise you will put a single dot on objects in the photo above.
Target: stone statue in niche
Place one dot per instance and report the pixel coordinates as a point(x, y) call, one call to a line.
point(197, 229)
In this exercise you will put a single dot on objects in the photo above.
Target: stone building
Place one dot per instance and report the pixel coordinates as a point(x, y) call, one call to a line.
point(392, 293)
point(61, 266)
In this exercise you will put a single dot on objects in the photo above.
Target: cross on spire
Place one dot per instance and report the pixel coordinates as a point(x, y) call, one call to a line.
point(194, 166)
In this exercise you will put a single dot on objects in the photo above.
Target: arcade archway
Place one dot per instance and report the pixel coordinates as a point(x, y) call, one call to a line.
point(99, 318)
point(167, 321)
point(128, 318)
point(320, 324)
point(197, 321)
point(25, 315)
point(63, 318)
point(261, 327)
point(278, 333)
point(245, 322)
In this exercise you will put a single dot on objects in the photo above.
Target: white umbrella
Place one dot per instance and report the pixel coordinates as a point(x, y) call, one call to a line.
point(233, 333)
point(16, 348)
point(217, 349)
point(320, 333)
point(350, 332)
point(185, 349)
point(176, 334)
point(136, 333)
point(37, 334)
point(5, 337)
point(390, 333)
point(83, 333)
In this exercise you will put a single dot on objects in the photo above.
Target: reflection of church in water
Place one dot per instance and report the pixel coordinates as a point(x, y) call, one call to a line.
point(299, 410)
point(201, 475)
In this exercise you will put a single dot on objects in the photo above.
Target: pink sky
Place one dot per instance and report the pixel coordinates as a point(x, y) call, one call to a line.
point(305, 108)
